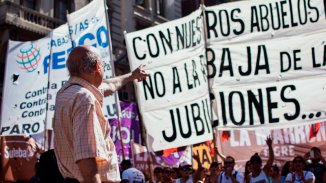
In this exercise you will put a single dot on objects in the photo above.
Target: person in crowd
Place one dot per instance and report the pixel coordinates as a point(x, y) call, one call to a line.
point(247, 172)
point(82, 143)
point(186, 172)
point(175, 173)
point(317, 165)
point(198, 175)
point(229, 175)
point(299, 175)
point(204, 174)
point(287, 168)
point(167, 175)
point(148, 178)
point(275, 174)
point(131, 174)
point(48, 170)
point(158, 175)
point(214, 171)
point(258, 174)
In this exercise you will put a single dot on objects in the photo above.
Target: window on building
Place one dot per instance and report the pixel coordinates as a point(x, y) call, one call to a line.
point(61, 7)
point(31, 4)
point(159, 6)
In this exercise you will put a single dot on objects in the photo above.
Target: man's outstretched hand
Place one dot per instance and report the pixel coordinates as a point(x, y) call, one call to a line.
point(140, 74)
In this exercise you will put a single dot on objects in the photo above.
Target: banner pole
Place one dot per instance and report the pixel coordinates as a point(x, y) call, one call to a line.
point(118, 109)
point(205, 38)
point(149, 162)
point(47, 97)
point(214, 144)
point(72, 42)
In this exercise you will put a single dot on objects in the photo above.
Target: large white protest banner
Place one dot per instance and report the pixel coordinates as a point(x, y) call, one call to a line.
point(25, 87)
point(88, 26)
point(269, 81)
point(174, 99)
point(257, 20)
point(61, 46)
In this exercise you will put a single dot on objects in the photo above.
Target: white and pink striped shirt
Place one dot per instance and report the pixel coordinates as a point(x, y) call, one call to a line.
point(81, 131)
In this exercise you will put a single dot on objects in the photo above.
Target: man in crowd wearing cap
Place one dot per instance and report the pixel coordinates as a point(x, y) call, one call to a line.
point(158, 175)
point(131, 174)
point(168, 175)
point(186, 172)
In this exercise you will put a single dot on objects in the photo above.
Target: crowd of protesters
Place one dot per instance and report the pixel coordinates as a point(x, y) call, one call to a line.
point(309, 168)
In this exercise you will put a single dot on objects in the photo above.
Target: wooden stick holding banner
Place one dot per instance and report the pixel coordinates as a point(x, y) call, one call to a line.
point(47, 98)
point(118, 109)
point(72, 42)
point(202, 2)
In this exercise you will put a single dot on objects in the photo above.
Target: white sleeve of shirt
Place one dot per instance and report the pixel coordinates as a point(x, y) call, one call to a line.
point(309, 175)
point(124, 175)
point(239, 177)
point(288, 177)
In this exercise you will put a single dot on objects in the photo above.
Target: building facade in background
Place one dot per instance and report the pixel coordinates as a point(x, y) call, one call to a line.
point(26, 20)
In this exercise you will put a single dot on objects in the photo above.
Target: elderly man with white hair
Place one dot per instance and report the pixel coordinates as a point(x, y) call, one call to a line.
point(83, 147)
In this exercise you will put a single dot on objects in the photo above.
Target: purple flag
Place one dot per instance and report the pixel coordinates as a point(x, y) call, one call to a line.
point(130, 127)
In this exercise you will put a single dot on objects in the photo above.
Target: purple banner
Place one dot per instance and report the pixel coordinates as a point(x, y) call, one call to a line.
point(130, 128)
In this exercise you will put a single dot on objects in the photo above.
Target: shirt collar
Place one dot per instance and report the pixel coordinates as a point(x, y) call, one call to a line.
point(95, 91)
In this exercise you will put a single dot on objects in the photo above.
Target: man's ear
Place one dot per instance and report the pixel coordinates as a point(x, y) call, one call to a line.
point(98, 67)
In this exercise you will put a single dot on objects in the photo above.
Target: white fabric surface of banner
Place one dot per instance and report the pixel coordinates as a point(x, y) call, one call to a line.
point(25, 87)
point(88, 26)
point(267, 77)
point(282, 104)
point(257, 19)
point(174, 55)
point(286, 58)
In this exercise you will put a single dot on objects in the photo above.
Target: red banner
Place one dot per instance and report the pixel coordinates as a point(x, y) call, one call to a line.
point(18, 157)
point(287, 143)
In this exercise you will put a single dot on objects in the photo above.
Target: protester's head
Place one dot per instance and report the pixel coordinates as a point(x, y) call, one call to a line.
point(315, 153)
point(214, 168)
point(185, 169)
point(158, 173)
point(167, 174)
point(229, 162)
point(85, 62)
point(298, 163)
point(287, 168)
point(175, 173)
point(125, 164)
point(256, 162)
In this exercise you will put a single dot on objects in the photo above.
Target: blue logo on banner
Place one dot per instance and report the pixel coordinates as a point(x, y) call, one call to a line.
point(28, 57)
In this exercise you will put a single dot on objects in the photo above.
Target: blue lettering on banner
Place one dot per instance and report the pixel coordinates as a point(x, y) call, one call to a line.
point(101, 38)
point(58, 60)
